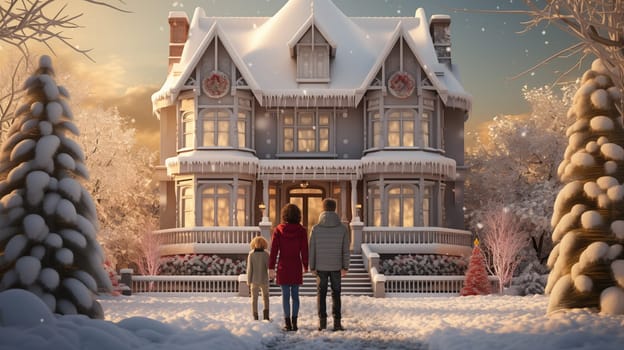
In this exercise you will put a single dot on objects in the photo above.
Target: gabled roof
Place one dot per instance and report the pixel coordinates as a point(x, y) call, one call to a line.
point(292, 43)
point(259, 46)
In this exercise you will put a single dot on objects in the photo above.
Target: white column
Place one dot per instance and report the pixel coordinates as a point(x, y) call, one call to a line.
point(265, 200)
point(343, 200)
point(354, 201)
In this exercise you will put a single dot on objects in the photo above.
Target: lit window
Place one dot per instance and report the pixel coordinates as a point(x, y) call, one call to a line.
point(216, 128)
point(188, 130)
point(187, 121)
point(217, 204)
point(401, 207)
point(401, 128)
point(187, 207)
point(308, 132)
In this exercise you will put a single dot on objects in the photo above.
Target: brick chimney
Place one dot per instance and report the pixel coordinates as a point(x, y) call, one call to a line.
point(178, 33)
point(440, 29)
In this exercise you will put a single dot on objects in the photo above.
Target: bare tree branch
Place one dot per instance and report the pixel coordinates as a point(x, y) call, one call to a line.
point(23, 22)
point(26, 21)
point(597, 24)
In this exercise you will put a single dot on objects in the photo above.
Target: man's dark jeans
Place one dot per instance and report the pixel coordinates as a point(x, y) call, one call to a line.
point(335, 279)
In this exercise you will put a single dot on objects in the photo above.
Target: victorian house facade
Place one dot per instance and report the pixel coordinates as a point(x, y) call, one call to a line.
point(258, 112)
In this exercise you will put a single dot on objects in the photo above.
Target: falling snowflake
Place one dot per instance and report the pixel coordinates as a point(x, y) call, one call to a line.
point(483, 29)
point(543, 32)
point(546, 42)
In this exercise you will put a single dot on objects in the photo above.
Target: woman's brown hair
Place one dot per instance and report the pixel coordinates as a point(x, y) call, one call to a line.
point(291, 214)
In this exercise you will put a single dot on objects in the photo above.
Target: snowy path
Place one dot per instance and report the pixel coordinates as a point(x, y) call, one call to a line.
point(434, 323)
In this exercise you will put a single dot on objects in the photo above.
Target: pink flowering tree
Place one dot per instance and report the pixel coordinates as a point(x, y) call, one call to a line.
point(504, 242)
point(148, 261)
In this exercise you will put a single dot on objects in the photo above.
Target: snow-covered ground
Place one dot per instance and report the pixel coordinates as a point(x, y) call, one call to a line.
point(194, 322)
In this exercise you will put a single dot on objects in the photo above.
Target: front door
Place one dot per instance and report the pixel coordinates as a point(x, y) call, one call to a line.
point(310, 201)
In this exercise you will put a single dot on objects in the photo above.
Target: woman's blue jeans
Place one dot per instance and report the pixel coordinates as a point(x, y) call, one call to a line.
point(290, 291)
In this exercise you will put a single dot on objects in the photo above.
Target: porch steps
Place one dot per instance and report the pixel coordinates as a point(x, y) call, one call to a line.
point(357, 281)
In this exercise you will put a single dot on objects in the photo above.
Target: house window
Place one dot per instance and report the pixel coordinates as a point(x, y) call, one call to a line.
point(306, 131)
point(241, 128)
point(187, 207)
point(215, 125)
point(217, 204)
point(187, 120)
point(243, 122)
point(425, 125)
point(401, 128)
point(401, 205)
point(313, 62)
point(404, 206)
point(188, 130)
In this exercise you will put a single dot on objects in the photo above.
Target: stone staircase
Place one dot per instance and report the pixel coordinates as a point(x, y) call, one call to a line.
point(357, 281)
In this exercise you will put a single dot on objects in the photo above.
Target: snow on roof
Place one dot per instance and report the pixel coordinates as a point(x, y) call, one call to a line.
point(210, 161)
point(206, 161)
point(259, 46)
point(315, 169)
point(419, 162)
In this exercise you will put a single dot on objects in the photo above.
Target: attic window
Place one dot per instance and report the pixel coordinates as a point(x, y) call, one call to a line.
point(313, 62)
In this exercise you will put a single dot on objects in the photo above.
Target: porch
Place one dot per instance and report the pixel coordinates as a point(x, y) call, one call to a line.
point(367, 243)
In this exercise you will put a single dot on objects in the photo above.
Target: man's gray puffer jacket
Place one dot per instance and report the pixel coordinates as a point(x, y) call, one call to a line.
point(329, 244)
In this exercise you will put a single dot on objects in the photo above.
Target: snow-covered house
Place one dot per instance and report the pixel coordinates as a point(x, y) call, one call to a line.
point(258, 112)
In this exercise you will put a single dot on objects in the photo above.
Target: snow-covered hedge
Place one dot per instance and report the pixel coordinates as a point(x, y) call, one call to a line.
point(425, 264)
point(201, 264)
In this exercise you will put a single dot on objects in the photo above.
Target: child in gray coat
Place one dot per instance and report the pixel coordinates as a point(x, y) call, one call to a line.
point(258, 275)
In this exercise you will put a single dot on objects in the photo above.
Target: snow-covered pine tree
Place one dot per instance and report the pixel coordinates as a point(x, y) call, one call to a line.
point(587, 262)
point(48, 221)
point(476, 281)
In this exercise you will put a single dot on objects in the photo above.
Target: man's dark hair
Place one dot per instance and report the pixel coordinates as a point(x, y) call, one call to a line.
point(291, 214)
point(329, 204)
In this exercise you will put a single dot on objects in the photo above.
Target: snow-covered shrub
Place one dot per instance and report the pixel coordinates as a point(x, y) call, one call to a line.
point(424, 264)
point(532, 280)
point(202, 264)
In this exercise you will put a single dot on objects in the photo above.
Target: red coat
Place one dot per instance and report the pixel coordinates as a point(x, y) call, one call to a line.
point(289, 249)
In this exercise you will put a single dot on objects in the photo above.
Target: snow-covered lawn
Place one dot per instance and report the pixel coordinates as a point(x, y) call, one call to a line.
point(194, 322)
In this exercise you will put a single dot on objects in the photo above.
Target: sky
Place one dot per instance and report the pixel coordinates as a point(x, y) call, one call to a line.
point(130, 49)
point(209, 321)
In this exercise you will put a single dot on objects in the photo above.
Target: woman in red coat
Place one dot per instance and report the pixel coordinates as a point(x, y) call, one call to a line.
point(289, 250)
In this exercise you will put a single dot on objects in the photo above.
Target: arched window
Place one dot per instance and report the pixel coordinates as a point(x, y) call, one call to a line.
point(187, 122)
point(187, 207)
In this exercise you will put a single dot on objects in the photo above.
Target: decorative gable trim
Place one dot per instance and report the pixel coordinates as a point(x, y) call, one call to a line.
point(310, 23)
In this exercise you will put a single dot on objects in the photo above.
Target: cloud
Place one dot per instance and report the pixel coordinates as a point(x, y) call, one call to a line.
point(135, 104)
point(104, 85)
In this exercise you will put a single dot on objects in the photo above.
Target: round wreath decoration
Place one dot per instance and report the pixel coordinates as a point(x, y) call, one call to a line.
point(401, 84)
point(216, 85)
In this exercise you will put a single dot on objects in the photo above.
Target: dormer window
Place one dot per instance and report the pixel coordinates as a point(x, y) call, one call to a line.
point(312, 62)
point(313, 51)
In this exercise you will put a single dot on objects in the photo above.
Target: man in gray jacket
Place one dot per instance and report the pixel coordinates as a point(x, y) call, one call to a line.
point(329, 260)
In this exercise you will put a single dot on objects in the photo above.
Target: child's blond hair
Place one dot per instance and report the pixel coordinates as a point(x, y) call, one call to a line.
point(259, 243)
